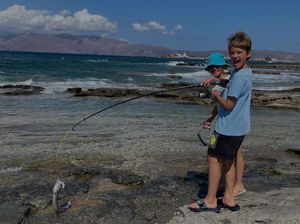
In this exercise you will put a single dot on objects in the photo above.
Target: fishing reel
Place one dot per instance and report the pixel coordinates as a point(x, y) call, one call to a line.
point(219, 85)
point(205, 94)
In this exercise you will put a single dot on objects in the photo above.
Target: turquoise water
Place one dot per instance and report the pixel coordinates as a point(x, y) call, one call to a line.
point(57, 72)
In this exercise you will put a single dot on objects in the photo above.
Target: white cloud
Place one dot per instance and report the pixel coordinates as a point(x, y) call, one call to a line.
point(153, 25)
point(123, 40)
point(17, 18)
point(156, 26)
point(139, 27)
point(171, 33)
point(178, 27)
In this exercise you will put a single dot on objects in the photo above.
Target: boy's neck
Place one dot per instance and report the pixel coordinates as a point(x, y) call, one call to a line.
point(245, 66)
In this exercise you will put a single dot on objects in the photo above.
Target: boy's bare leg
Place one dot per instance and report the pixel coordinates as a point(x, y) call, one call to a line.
point(230, 180)
point(240, 166)
point(214, 175)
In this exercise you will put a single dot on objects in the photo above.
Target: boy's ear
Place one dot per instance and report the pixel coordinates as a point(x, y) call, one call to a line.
point(249, 55)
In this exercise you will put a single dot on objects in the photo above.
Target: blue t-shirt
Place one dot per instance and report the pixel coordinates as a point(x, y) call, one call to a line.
point(236, 122)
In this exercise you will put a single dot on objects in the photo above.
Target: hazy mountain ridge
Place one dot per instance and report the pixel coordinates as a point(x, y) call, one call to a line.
point(66, 43)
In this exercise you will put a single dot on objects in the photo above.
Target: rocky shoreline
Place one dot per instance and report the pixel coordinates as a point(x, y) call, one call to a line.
point(277, 99)
point(104, 189)
point(153, 178)
point(15, 90)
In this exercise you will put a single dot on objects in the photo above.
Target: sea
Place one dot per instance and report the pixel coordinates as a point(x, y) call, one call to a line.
point(31, 127)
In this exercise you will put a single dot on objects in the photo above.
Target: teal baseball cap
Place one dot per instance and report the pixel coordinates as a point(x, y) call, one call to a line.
point(217, 59)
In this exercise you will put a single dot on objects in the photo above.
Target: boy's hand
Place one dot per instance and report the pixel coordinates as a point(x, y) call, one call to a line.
point(206, 82)
point(206, 125)
point(215, 94)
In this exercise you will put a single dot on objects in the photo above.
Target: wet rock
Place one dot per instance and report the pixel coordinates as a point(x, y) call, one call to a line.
point(175, 76)
point(175, 85)
point(21, 90)
point(276, 99)
point(106, 92)
point(117, 176)
point(74, 90)
point(13, 212)
point(294, 151)
point(279, 99)
point(125, 177)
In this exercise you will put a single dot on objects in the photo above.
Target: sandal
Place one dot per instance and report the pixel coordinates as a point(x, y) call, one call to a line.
point(234, 208)
point(239, 193)
point(203, 207)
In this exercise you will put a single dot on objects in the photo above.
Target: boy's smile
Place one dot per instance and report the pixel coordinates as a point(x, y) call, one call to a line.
point(239, 57)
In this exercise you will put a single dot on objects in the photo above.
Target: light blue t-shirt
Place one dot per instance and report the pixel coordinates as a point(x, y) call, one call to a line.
point(236, 122)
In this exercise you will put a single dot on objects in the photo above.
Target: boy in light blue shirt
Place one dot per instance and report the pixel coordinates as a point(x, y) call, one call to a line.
point(232, 125)
point(236, 122)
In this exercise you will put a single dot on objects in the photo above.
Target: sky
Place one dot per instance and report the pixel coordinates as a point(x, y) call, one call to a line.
point(195, 25)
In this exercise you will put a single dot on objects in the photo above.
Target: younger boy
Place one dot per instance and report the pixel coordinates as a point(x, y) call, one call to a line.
point(216, 66)
point(232, 125)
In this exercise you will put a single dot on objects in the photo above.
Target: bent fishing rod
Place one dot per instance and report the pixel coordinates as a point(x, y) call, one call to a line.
point(144, 95)
point(134, 98)
point(122, 102)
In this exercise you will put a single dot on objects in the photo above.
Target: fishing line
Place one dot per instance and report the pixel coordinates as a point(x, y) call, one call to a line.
point(59, 185)
point(67, 133)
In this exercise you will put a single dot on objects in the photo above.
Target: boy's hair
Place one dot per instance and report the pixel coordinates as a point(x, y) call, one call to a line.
point(240, 40)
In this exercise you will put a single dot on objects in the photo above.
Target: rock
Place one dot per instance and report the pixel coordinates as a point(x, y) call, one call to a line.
point(127, 178)
point(294, 151)
point(16, 90)
point(14, 212)
point(107, 92)
point(174, 85)
point(277, 99)
point(175, 76)
point(74, 90)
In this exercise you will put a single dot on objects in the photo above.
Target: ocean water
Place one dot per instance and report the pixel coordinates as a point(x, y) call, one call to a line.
point(31, 127)
point(57, 72)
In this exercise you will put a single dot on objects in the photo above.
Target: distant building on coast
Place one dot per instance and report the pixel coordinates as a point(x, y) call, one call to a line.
point(177, 55)
point(267, 59)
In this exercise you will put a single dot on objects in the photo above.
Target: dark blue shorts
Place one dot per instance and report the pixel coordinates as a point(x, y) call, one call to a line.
point(224, 146)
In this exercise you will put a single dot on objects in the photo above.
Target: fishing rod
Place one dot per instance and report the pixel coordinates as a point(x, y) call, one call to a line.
point(125, 101)
point(134, 98)
point(114, 105)
point(144, 95)
point(59, 185)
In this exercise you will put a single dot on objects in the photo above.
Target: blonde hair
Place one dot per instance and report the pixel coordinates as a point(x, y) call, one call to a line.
point(240, 40)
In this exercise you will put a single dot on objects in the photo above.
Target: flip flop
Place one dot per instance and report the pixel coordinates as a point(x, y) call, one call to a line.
point(234, 208)
point(239, 193)
point(203, 207)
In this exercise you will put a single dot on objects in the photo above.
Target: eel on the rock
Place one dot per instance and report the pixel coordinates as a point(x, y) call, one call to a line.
point(58, 187)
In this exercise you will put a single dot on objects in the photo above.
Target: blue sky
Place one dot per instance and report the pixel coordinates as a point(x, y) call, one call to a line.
point(186, 25)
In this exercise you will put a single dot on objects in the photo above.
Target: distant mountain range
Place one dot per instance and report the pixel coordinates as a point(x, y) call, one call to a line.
point(66, 43)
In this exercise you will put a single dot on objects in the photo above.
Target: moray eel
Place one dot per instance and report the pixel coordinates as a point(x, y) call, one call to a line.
point(58, 187)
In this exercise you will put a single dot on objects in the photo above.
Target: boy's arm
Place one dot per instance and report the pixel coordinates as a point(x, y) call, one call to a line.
point(207, 82)
point(213, 114)
point(228, 103)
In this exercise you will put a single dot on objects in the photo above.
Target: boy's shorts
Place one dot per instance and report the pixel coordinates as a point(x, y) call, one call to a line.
point(224, 146)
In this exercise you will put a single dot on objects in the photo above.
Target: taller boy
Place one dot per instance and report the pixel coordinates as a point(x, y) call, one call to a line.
point(232, 125)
